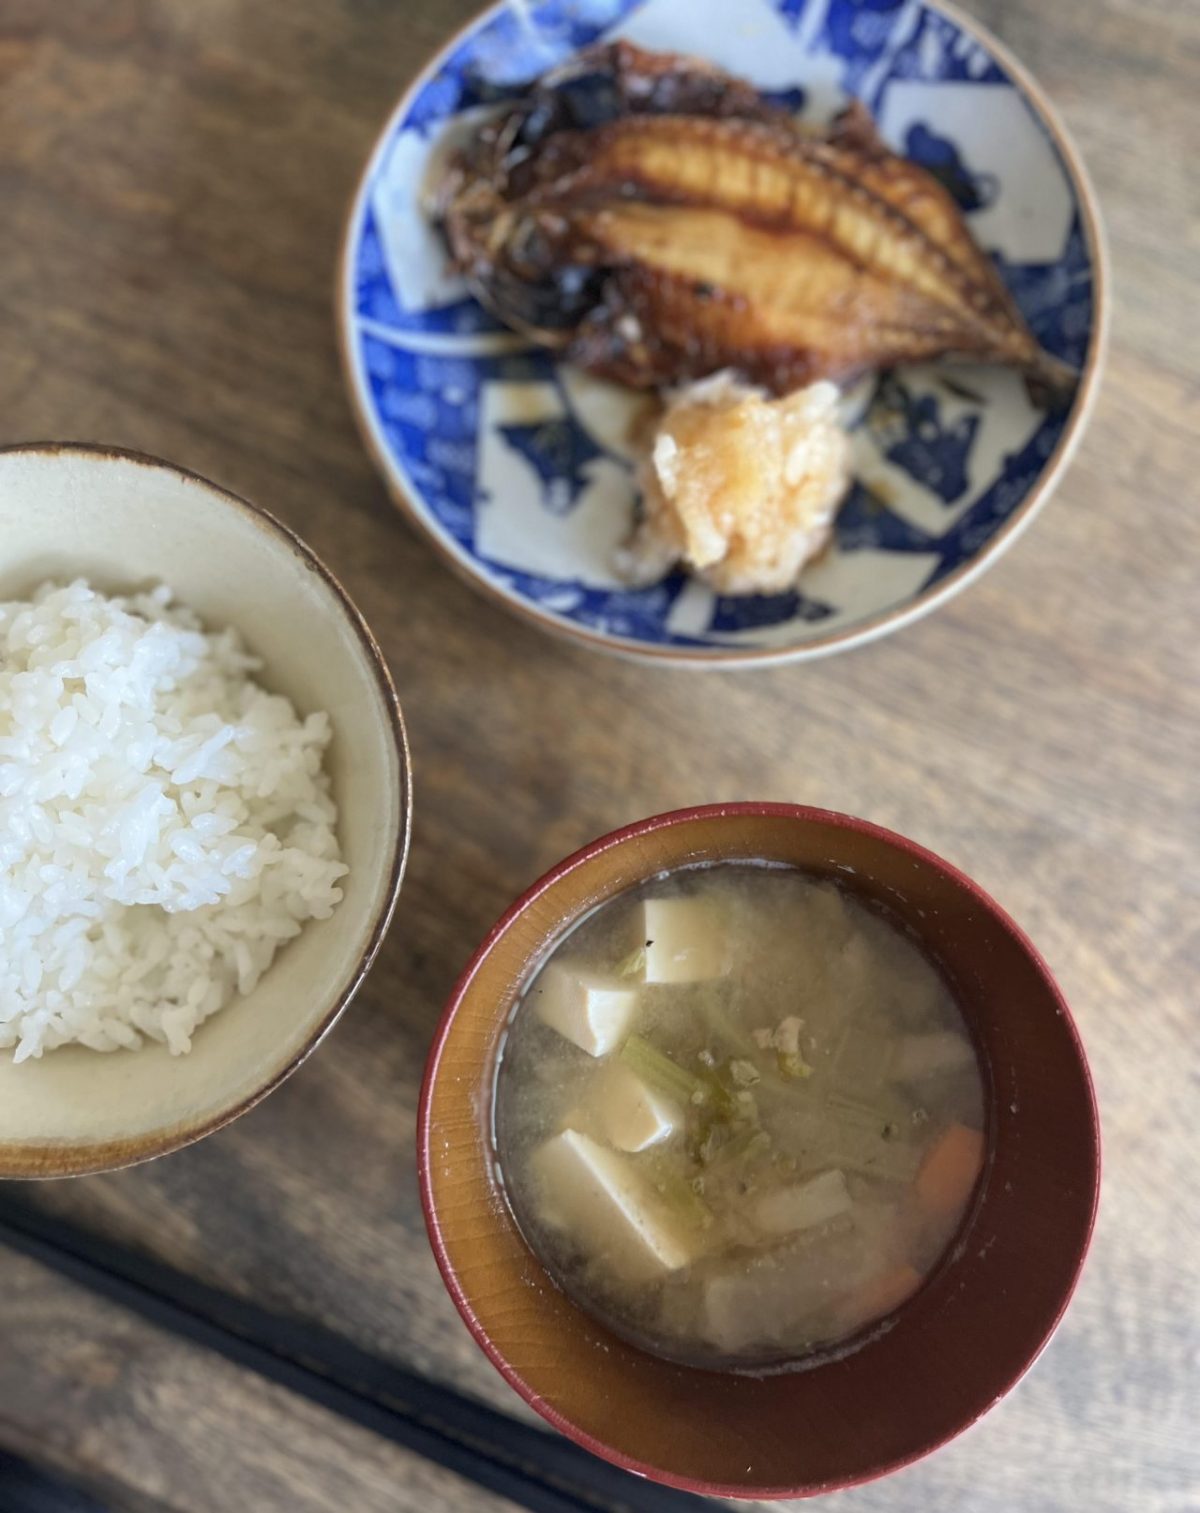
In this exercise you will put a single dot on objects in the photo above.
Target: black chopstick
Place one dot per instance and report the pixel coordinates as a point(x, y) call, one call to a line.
point(535, 1468)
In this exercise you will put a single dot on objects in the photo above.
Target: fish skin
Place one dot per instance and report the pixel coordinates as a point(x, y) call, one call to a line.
point(671, 224)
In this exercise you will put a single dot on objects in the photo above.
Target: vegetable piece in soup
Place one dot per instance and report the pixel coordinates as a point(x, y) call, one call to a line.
point(738, 1114)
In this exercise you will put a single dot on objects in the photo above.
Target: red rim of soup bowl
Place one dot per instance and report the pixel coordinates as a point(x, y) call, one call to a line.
point(1057, 1225)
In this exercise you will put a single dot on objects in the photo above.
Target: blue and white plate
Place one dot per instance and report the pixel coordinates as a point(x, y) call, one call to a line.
point(515, 465)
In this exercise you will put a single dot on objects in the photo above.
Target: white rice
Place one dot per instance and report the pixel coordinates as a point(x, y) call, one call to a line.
point(165, 823)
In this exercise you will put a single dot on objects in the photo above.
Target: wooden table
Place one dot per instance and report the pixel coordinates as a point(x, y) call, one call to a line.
point(256, 1323)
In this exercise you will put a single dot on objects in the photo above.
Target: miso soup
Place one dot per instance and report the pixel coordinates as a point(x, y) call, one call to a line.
point(738, 1114)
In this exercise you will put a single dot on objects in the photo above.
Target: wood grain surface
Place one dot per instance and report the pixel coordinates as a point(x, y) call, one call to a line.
point(150, 1423)
point(175, 176)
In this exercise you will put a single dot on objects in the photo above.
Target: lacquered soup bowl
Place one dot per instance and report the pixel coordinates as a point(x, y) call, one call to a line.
point(950, 1352)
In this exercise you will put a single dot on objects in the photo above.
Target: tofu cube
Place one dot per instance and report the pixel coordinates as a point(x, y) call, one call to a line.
point(802, 1205)
point(770, 1299)
point(744, 1308)
point(588, 1010)
point(604, 1202)
point(919, 1056)
point(685, 940)
point(763, 1303)
point(631, 1115)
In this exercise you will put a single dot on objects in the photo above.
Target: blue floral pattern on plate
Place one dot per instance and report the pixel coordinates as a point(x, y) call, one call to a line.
point(519, 466)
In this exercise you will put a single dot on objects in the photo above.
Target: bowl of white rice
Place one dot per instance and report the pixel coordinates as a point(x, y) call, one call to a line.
point(205, 803)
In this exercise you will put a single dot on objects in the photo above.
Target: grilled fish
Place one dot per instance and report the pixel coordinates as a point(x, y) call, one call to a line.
point(656, 220)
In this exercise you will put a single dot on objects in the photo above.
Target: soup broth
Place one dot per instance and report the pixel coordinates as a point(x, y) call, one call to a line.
point(738, 1114)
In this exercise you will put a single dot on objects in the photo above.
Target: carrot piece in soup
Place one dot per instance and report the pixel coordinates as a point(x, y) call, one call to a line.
point(889, 1290)
point(879, 1296)
point(950, 1168)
